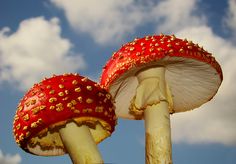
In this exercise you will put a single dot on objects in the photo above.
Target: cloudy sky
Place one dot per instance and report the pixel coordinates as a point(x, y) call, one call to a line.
point(41, 38)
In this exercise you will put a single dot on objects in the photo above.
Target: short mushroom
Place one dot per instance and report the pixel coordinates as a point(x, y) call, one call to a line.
point(65, 114)
point(155, 76)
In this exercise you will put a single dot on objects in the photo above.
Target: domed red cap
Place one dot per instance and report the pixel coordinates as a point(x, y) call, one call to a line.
point(55, 101)
point(193, 75)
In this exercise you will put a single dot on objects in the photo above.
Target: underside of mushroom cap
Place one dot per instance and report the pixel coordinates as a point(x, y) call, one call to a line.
point(55, 101)
point(48, 141)
point(192, 74)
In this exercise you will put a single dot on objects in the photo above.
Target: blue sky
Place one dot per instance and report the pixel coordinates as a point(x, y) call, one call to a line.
point(41, 38)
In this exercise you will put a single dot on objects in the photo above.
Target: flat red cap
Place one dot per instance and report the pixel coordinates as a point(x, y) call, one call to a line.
point(55, 101)
point(193, 74)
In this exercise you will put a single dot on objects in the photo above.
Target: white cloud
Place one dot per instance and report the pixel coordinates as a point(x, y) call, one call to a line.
point(9, 159)
point(34, 51)
point(109, 21)
point(106, 21)
point(231, 16)
point(173, 15)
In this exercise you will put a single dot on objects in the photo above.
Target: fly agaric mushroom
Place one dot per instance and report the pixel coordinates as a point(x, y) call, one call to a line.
point(155, 76)
point(65, 113)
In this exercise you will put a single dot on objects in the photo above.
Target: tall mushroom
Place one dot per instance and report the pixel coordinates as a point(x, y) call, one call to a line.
point(65, 114)
point(158, 75)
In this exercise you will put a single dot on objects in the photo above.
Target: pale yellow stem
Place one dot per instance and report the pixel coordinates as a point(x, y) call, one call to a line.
point(151, 96)
point(80, 144)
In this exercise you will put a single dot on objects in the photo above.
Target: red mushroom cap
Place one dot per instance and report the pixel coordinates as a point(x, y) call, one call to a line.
point(193, 75)
point(55, 101)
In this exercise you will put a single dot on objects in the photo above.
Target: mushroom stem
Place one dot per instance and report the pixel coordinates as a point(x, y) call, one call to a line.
point(152, 96)
point(80, 144)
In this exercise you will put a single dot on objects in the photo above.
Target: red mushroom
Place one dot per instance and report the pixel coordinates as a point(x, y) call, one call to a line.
point(65, 113)
point(151, 77)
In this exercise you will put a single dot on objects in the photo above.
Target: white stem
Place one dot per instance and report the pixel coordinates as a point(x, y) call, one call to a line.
point(80, 144)
point(154, 99)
